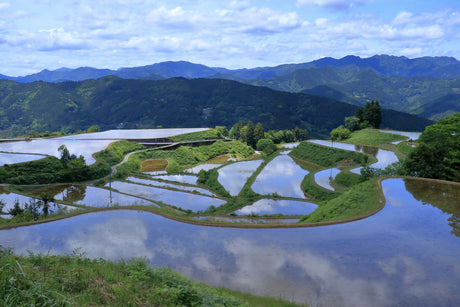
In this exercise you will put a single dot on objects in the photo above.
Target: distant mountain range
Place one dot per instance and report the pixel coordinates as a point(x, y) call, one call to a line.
point(112, 102)
point(426, 86)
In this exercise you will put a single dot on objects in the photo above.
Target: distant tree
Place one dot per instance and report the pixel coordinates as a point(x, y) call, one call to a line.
point(340, 133)
point(250, 137)
point(300, 134)
point(370, 115)
point(266, 146)
point(259, 132)
point(93, 128)
point(235, 132)
point(65, 155)
point(352, 123)
point(222, 130)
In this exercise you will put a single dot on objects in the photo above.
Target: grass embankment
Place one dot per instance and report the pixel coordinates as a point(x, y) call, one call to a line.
point(359, 201)
point(328, 156)
point(66, 280)
point(373, 137)
point(200, 135)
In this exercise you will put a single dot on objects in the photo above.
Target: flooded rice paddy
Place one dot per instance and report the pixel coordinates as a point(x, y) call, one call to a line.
point(49, 147)
point(233, 176)
point(162, 184)
point(269, 206)
point(384, 157)
point(11, 158)
point(281, 176)
point(184, 200)
point(324, 178)
point(406, 254)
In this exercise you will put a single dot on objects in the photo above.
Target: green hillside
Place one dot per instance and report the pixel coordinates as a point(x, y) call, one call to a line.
point(405, 94)
point(111, 102)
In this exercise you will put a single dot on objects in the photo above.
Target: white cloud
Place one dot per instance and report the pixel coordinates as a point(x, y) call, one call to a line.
point(332, 4)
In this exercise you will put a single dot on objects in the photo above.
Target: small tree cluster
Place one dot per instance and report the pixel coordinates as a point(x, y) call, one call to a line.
point(252, 134)
point(249, 133)
point(370, 115)
point(71, 160)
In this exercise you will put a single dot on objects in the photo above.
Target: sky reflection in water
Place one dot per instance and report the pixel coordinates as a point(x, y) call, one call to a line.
point(233, 176)
point(403, 255)
point(86, 148)
point(281, 176)
point(281, 206)
point(184, 200)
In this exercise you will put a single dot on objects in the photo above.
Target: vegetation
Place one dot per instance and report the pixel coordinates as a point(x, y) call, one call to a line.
point(373, 137)
point(185, 156)
point(111, 102)
point(437, 154)
point(327, 156)
point(68, 168)
point(66, 280)
point(370, 115)
point(359, 200)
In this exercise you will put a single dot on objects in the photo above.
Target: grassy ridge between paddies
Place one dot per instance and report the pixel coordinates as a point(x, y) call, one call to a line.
point(372, 137)
point(328, 156)
point(74, 280)
point(359, 201)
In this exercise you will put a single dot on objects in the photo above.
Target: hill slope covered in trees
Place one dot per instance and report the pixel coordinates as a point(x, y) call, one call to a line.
point(112, 102)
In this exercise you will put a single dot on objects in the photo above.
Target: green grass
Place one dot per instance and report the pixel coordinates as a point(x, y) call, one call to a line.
point(318, 193)
point(74, 280)
point(200, 135)
point(372, 137)
point(359, 200)
point(185, 156)
point(327, 156)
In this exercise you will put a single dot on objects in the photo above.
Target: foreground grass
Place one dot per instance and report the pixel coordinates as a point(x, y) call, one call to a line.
point(66, 280)
point(360, 200)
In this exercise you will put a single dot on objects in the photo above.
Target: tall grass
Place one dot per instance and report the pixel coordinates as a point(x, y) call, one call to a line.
point(74, 280)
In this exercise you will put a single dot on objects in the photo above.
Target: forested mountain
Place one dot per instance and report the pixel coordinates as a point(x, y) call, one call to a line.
point(111, 102)
point(397, 83)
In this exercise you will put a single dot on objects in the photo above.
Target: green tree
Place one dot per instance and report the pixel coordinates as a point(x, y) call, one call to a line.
point(65, 155)
point(352, 123)
point(340, 133)
point(300, 134)
point(259, 132)
point(370, 115)
point(438, 153)
point(250, 137)
point(266, 146)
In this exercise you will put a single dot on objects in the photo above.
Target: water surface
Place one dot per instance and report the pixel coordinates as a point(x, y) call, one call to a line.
point(170, 185)
point(184, 200)
point(233, 176)
point(93, 196)
point(407, 254)
point(280, 176)
point(122, 134)
point(323, 178)
point(269, 206)
point(11, 158)
point(86, 148)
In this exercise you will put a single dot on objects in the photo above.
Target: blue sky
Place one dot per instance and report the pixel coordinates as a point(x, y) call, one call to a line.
point(39, 34)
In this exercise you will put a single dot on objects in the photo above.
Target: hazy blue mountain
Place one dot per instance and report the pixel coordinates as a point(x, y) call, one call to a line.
point(439, 67)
